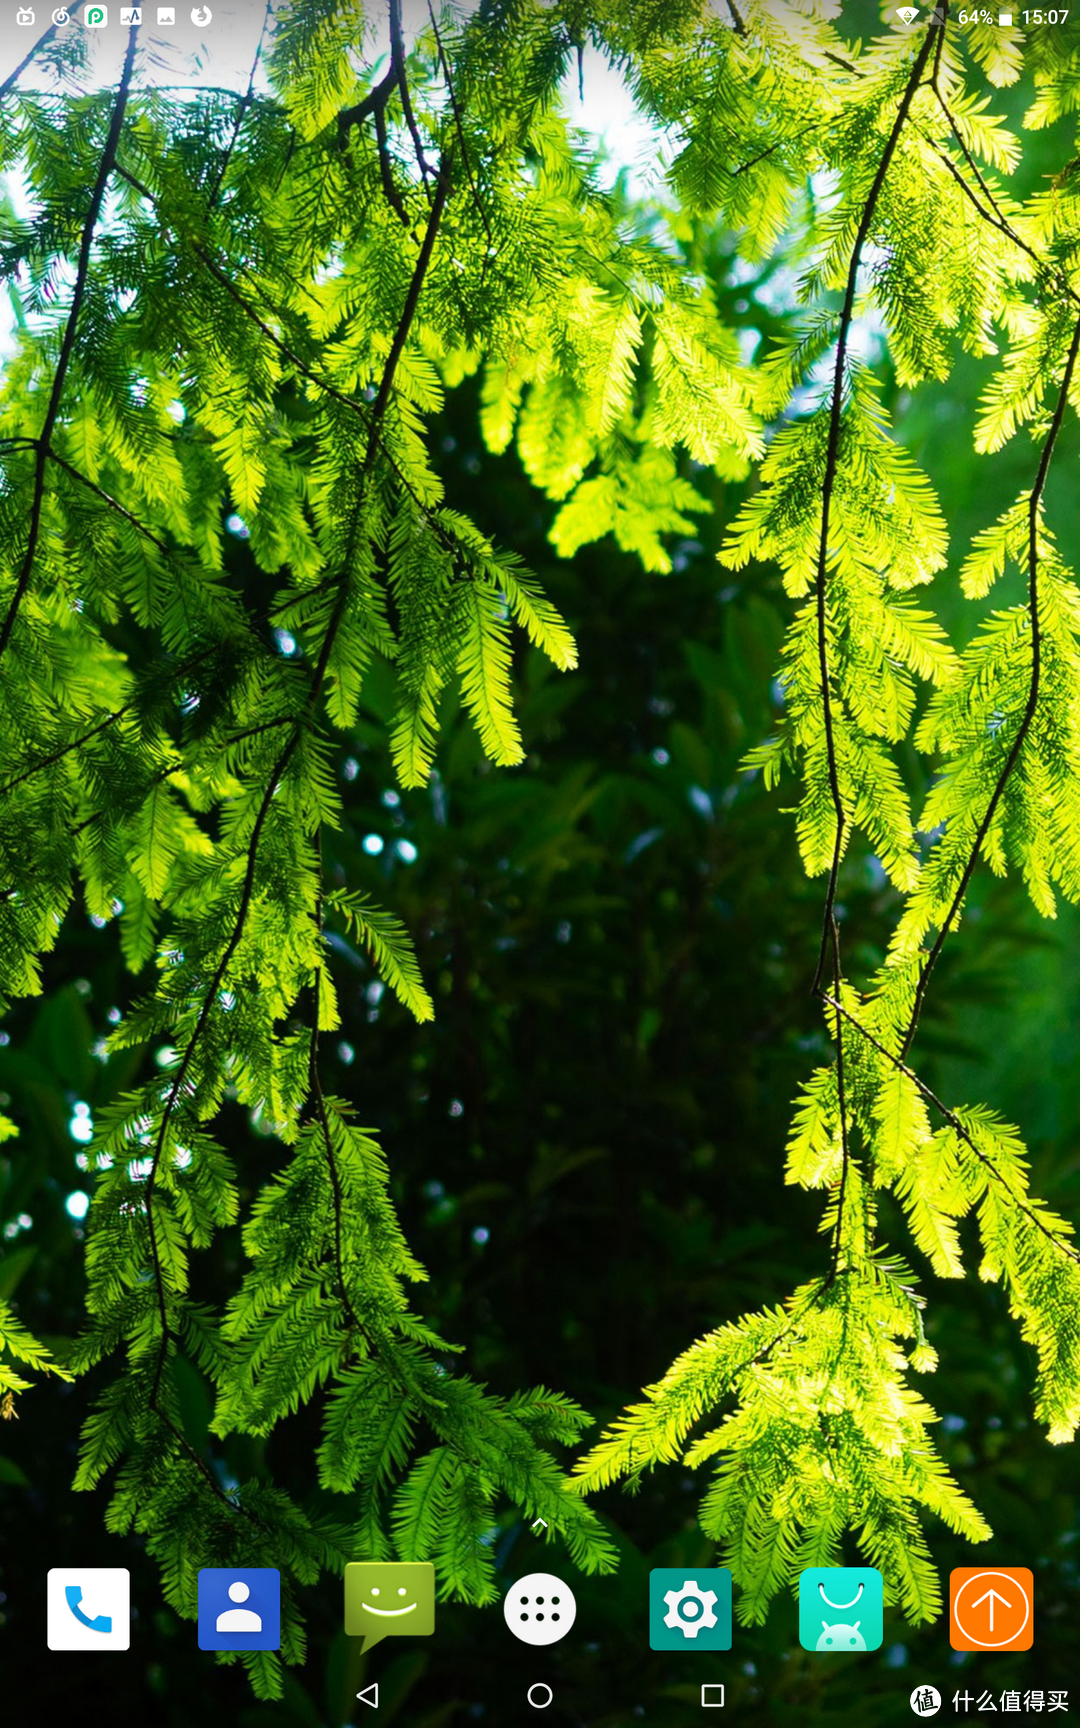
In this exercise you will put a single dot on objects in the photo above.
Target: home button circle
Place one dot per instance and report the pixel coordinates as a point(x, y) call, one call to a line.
point(540, 1695)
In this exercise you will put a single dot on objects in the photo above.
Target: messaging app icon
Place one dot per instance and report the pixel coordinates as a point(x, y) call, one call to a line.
point(840, 1608)
point(389, 1599)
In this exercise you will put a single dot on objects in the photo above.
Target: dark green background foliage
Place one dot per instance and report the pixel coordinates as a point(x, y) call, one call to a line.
point(289, 608)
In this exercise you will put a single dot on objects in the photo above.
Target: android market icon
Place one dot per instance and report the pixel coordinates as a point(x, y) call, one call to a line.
point(840, 1608)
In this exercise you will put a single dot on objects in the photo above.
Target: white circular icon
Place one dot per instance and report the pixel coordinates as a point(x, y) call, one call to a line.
point(61, 17)
point(539, 1609)
point(540, 1695)
point(926, 1700)
point(201, 15)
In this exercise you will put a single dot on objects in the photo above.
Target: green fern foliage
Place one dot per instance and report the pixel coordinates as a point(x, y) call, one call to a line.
point(239, 316)
point(807, 1414)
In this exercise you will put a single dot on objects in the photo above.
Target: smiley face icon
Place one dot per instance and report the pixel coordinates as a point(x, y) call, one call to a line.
point(389, 1599)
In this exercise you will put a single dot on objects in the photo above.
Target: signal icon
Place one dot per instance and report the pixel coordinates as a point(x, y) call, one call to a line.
point(907, 14)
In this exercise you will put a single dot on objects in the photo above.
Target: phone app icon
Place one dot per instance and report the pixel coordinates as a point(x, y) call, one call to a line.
point(89, 1608)
point(689, 1609)
point(239, 1608)
point(841, 1608)
point(389, 1599)
point(991, 1608)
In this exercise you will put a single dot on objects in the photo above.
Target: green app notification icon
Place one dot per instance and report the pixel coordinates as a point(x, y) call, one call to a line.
point(841, 1608)
point(389, 1599)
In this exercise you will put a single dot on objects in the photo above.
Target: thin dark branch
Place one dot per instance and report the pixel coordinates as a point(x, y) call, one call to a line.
point(277, 775)
point(225, 281)
point(386, 173)
point(459, 127)
point(111, 719)
point(939, 47)
point(113, 503)
point(830, 933)
point(954, 1122)
point(841, 1095)
point(323, 1118)
point(282, 347)
point(412, 300)
point(180, 1077)
point(82, 273)
point(376, 103)
point(66, 749)
point(1030, 705)
point(364, 409)
point(832, 452)
point(397, 48)
point(241, 114)
point(770, 150)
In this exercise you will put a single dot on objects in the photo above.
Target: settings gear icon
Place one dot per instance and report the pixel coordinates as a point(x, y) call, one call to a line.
point(689, 1608)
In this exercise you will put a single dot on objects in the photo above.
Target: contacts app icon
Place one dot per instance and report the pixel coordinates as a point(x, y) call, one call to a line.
point(239, 1608)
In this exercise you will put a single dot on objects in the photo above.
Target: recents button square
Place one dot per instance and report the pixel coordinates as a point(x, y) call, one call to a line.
point(712, 1697)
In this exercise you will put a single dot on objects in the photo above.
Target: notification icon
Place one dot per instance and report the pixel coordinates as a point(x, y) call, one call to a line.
point(991, 1609)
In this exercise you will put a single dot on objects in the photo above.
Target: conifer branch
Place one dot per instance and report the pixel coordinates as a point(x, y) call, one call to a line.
point(179, 1079)
point(397, 43)
point(321, 1116)
point(1030, 706)
point(408, 311)
point(113, 503)
point(376, 103)
point(82, 273)
point(276, 777)
point(66, 749)
point(283, 348)
point(830, 936)
point(241, 114)
point(832, 453)
point(954, 1122)
point(841, 1092)
point(460, 129)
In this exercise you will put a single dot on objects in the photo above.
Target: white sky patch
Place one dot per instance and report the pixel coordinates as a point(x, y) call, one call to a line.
point(184, 54)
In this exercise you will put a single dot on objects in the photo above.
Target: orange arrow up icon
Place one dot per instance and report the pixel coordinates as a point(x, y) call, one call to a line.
point(991, 1609)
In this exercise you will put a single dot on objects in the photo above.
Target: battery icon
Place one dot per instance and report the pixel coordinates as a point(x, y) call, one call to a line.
point(1004, 17)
